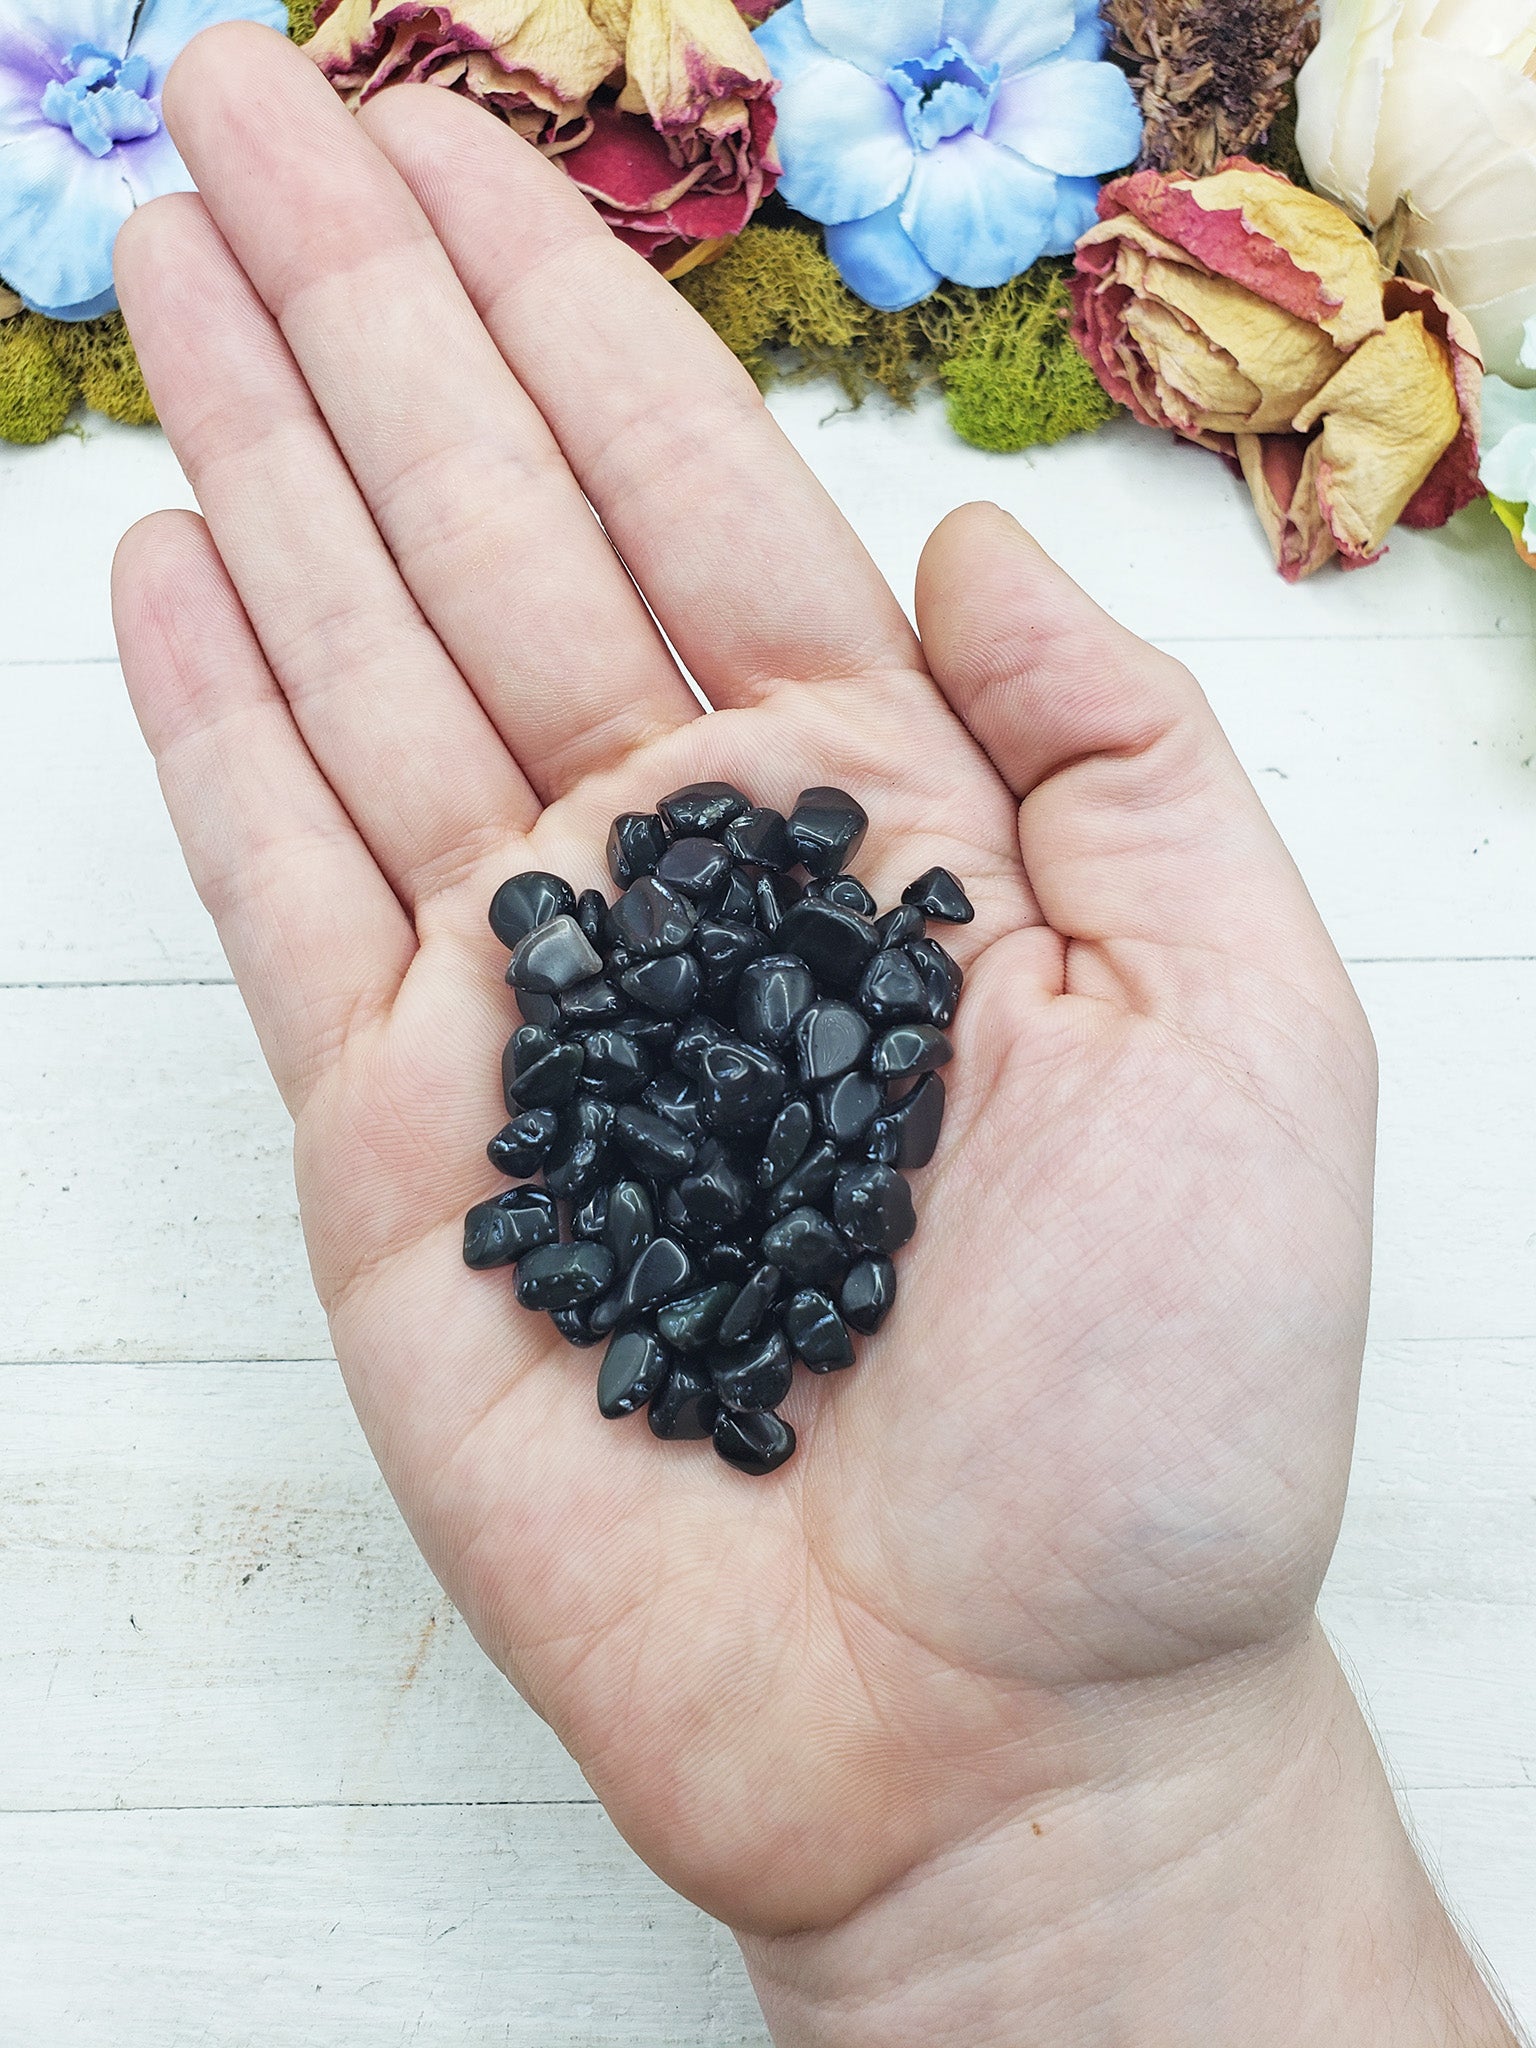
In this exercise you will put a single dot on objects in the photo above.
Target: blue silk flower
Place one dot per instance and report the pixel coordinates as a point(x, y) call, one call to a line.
point(81, 139)
point(935, 139)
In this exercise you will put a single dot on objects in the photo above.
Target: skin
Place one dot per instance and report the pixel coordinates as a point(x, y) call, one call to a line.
point(1040, 1578)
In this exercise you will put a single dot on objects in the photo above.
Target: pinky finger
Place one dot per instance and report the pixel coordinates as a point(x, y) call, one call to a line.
point(317, 939)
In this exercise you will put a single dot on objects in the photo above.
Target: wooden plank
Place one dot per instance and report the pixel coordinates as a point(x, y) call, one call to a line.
point(486, 1927)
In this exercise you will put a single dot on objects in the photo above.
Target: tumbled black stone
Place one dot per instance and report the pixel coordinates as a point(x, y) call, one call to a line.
point(692, 1042)
point(740, 1086)
point(528, 1044)
point(776, 895)
point(613, 1065)
point(668, 985)
point(938, 894)
point(521, 905)
point(534, 1008)
point(650, 919)
point(547, 1083)
point(710, 1200)
point(916, 1120)
point(636, 841)
point(832, 1039)
point(754, 1444)
point(809, 1182)
point(847, 892)
point(629, 1220)
point(848, 1107)
point(738, 900)
point(575, 1165)
point(873, 1205)
point(901, 925)
point(508, 1226)
point(563, 1275)
point(756, 1377)
point(685, 1405)
point(652, 1142)
point(690, 1323)
point(697, 867)
point(592, 915)
point(523, 1145)
point(826, 828)
point(867, 1294)
point(761, 838)
point(942, 979)
point(910, 1049)
point(730, 1260)
point(554, 957)
point(575, 1327)
point(590, 1220)
point(661, 1272)
point(774, 994)
point(724, 947)
point(807, 1249)
point(817, 1334)
point(703, 809)
point(588, 1003)
point(656, 1034)
point(836, 944)
point(634, 1366)
point(752, 1302)
point(891, 990)
point(883, 1142)
point(784, 1147)
point(674, 1096)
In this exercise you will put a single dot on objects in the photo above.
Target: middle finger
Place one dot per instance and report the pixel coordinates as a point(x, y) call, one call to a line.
point(464, 480)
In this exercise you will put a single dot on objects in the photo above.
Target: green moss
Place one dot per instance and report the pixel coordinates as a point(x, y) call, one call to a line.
point(301, 19)
point(37, 393)
point(100, 358)
point(1010, 374)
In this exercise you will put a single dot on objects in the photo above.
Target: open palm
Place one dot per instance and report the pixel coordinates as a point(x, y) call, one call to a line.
point(1102, 1439)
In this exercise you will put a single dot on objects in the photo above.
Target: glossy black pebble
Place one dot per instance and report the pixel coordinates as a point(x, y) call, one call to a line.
point(910, 1049)
point(832, 1039)
point(507, 1227)
point(554, 957)
point(590, 1002)
point(592, 915)
point(740, 1086)
point(523, 1145)
point(900, 926)
point(563, 1275)
point(633, 1367)
point(892, 991)
point(536, 1009)
point(873, 1205)
point(917, 1120)
point(868, 1294)
point(724, 946)
point(548, 1083)
point(837, 945)
point(784, 1147)
point(755, 1444)
point(809, 1182)
point(826, 828)
point(710, 1200)
point(761, 838)
point(591, 1219)
point(690, 1323)
point(817, 1334)
point(776, 895)
point(667, 986)
point(738, 899)
point(805, 1247)
point(698, 867)
point(575, 1166)
point(527, 901)
point(937, 894)
point(942, 979)
point(574, 1327)
point(849, 1107)
point(774, 995)
point(661, 1271)
point(614, 1066)
point(629, 1221)
point(848, 893)
point(751, 1304)
point(703, 809)
point(654, 1144)
point(650, 919)
point(685, 1405)
point(755, 1378)
point(636, 841)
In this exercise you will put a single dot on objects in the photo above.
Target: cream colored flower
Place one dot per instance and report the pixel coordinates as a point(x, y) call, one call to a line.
point(1421, 114)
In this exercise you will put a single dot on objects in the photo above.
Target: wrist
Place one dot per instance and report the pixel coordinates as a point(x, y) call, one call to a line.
point(1239, 1872)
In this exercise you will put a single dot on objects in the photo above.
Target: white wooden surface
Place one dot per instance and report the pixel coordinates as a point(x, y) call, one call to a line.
point(257, 1786)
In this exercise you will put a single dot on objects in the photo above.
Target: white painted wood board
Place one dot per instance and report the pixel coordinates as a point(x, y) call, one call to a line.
point(292, 1754)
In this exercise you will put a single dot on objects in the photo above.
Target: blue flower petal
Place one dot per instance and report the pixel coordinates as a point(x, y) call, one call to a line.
point(878, 259)
point(1077, 210)
point(167, 26)
point(60, 210)
point(1073, 118)
point(42, 36)
point(978, 213)
point(1509, 466)
point(1009, 33)
point(843, 143)
point(875, 34)
point(153, 168)
point(787, 43)
point(1090, 38)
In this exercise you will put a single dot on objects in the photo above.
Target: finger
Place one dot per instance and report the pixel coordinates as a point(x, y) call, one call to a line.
point(418, 765)
point(462, 477)
point(752, 570)
point(317, 940)
point(1137, 821)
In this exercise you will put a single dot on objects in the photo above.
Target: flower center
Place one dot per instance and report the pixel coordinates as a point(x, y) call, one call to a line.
point(102, 100)
point(943, 93)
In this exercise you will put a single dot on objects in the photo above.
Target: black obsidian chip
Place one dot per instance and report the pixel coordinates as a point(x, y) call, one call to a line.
point(721, 1079)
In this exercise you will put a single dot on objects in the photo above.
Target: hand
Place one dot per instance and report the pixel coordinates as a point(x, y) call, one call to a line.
point(1069, 1513)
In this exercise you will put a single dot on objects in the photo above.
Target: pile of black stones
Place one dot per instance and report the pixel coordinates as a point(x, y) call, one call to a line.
point(719, 1077)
